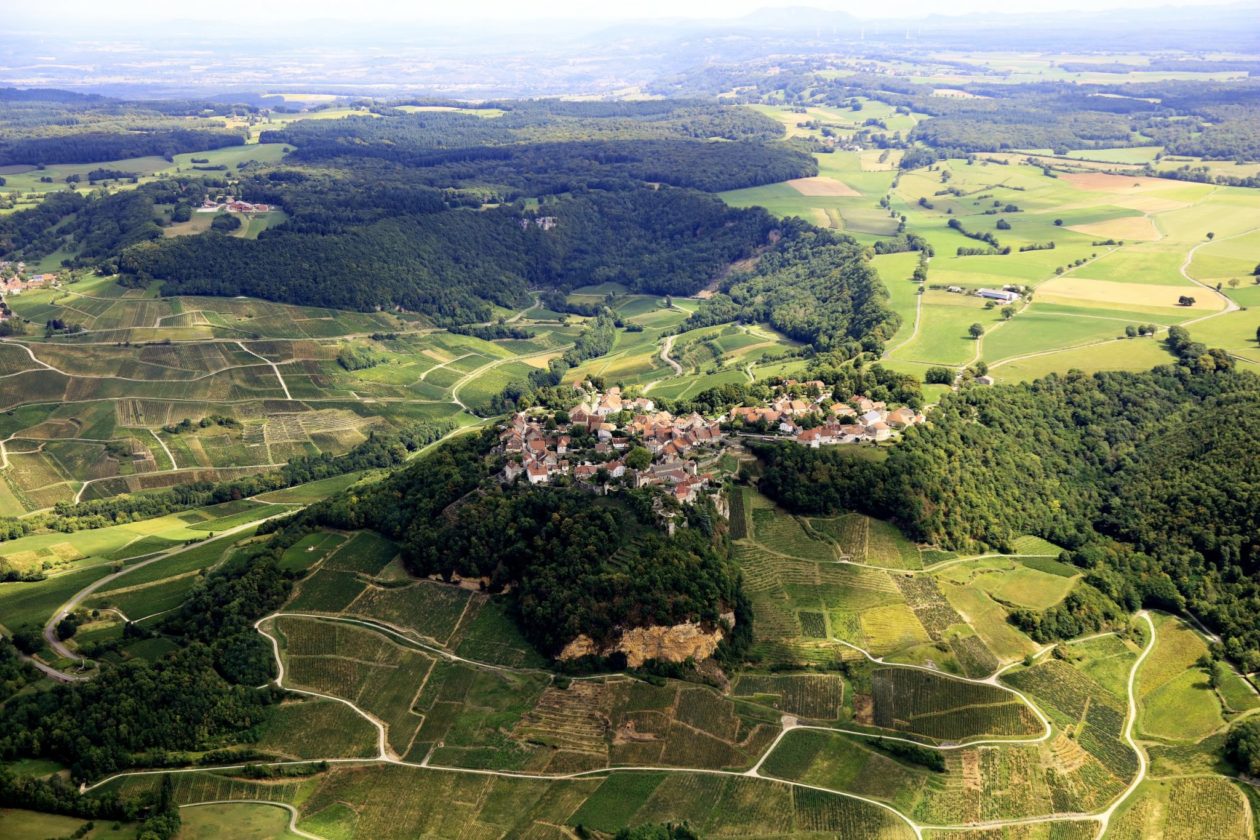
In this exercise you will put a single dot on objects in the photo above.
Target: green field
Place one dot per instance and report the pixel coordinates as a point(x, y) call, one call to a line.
point(1177, 702)
point(245, 821)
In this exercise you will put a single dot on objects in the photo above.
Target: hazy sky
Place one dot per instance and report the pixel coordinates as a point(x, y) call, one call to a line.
point(366, 11)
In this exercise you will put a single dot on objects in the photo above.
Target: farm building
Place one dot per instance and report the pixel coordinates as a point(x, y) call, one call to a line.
point(998, 294)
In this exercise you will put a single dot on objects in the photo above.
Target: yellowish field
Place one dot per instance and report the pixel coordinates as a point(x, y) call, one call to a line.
point(1112, 355)
point(870, 160)
point(892, 627)
point(821, 185)
point(1147, 203)
point(1131, 227)
point(1102, 182)
point(1075, 289)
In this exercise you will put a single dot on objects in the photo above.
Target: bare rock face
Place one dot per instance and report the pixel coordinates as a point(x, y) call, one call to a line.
point(674, 643)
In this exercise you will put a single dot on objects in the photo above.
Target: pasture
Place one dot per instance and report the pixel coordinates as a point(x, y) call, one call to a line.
point(245, 821)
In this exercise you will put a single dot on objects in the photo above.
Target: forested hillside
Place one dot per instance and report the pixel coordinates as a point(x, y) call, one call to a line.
point(816, 287)
point(1151, 474)
point(449, 263)
point(55, 126)
point(552, 549)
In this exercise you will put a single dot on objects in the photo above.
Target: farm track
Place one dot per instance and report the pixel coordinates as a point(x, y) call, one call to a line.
point(165, 448)
point(179, 380)
point(471, 375)
point(274, 369)
point(918, 319)
point(666, 346)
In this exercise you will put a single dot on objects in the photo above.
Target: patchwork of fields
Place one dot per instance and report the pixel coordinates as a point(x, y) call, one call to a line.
point(888, 694)
point(103, 411)
point(1125, 250)
point(428, 688)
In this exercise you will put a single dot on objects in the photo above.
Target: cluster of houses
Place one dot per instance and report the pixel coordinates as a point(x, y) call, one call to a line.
point(591, 449)
point(14, 280)
point(609, 441)
point(232, 205)
point(541, 222)
point(824, 420)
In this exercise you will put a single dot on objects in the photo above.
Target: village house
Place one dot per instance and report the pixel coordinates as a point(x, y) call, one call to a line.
point(852, 420)
point(536, 451)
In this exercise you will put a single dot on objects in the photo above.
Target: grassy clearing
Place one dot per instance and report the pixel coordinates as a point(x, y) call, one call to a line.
point(244, 821)
point(16, 823)
point(1176, 700)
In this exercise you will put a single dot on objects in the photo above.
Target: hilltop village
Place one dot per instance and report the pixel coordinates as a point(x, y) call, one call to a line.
point(610, 440)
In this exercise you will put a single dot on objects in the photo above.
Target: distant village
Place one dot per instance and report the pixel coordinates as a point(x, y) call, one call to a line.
point(609, 440)
point(232, 205)
point(14, 280)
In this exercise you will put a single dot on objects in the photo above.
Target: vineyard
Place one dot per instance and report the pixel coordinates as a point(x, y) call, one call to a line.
point(1087, 711)
point(313, 728)
point(741, 521)
point(1183, 809)
point(326, 590)
point(358, 665)
point(366, 553)
point(431, 610)
point(784, 534)
point(816, 696)
point(947, 709)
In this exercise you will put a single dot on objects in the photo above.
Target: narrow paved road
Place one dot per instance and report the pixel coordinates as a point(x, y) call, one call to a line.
point(666, 346)
point(50, 627)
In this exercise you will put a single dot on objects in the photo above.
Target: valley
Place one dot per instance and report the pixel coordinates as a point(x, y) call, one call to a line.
point(777, 434)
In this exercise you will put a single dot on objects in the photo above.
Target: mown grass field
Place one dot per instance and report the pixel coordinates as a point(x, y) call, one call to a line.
point(244, 820)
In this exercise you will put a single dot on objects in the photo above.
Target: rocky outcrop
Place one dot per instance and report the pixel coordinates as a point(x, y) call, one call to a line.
point(672, 643)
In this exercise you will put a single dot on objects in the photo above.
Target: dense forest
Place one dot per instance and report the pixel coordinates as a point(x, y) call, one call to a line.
point(55, 126)
point(549, 546)
point(449, 263)
point(510, 172)
point(1119, 468)
point(814, 285)
point(130, 714)
point(523, 121)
